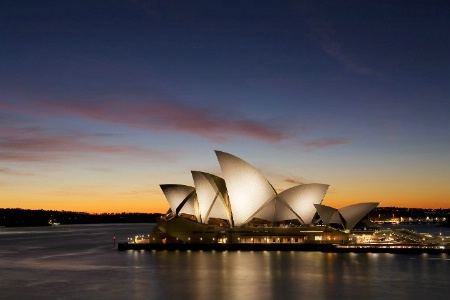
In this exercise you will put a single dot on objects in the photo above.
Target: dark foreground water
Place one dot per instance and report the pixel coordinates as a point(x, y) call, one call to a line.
point(83, 263)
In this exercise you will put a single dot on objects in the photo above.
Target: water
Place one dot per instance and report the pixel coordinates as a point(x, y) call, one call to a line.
point(83, 263)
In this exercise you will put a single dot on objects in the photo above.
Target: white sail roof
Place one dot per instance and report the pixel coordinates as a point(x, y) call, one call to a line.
point(212, 197)
point(347, 216)
point(326, 213)
point(181, 198)
point(276, 210)
point(301, 199)
point(352, 214)
point(248, 190)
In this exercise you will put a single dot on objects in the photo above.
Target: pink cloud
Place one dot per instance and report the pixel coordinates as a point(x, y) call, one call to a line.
point(30, 145)
point(172, 117)
point(167, 117)
point(327, 142)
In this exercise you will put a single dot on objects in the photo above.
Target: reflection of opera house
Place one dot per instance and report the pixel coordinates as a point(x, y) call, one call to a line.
point(243, 207)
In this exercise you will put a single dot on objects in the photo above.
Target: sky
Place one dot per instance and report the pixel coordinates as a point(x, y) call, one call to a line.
point(102, 101)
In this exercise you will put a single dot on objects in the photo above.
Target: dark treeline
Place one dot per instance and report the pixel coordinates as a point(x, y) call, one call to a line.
point(16, 217)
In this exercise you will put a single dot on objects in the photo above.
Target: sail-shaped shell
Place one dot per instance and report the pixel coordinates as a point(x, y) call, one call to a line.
point(326, 213)
point(248, 190)
point(352, 214)
point(276, 210)
point(212, 196)
point(181, 198)
point(347, 216)
point(301, 199)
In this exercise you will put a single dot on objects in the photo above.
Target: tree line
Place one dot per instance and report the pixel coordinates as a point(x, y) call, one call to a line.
point(17, 217)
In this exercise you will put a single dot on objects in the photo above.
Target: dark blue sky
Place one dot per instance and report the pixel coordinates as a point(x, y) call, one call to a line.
point(355, 94)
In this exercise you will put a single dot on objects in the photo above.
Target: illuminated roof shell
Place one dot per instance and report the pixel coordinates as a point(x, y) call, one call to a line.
point(248, 190)
point(326, 213)
point(276, 210)
point(181, 198)
point(301, 199)
point(347, 216)
point(212, 196)
point(352, 214)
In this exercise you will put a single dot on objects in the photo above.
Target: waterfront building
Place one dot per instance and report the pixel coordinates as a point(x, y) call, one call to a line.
point(244, 207)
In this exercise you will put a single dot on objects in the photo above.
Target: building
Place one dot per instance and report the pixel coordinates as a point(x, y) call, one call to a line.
point(244, 207)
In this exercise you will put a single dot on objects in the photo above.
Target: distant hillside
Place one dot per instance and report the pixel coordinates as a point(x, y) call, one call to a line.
point(16, 217)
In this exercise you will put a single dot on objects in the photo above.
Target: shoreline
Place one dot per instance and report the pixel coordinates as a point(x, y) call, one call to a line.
point(328, 248)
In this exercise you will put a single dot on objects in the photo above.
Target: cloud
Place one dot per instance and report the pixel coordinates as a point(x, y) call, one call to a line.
point(326, 142)
point(294, 181)
point(170, 117)
point(33, 144)
point(325, 36)
point(102, 170)
point(212, 124)
point(14, 173)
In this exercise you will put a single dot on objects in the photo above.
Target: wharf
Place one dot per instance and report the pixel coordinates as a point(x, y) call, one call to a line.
point(224, 247)
point(329, 248)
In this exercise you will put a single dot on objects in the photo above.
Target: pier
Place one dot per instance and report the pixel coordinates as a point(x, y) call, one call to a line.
point(330, 248)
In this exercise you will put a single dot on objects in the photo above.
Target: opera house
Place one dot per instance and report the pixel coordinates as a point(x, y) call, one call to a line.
point(243, 207)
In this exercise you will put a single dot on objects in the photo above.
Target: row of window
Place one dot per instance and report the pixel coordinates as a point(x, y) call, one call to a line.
point(276, 240)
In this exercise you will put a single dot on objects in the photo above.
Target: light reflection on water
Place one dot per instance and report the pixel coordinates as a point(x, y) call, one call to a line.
point(83, 263)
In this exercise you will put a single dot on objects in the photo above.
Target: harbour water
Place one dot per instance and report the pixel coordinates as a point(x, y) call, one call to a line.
point(82, 262)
